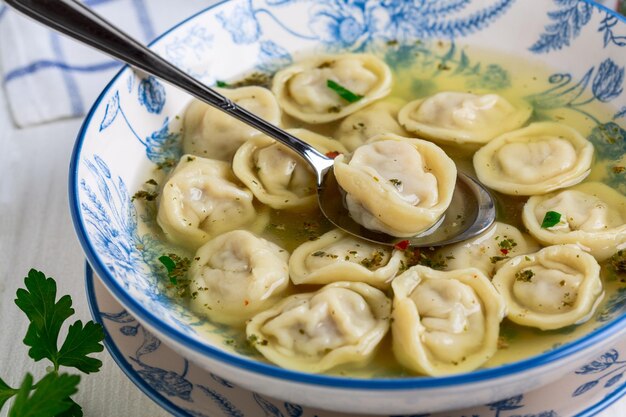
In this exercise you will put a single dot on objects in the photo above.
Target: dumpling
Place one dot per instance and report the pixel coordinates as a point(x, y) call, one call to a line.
point(593, 216)
point(201, 199)
point(210, 133)
point(489, 250)
point(553, 288)
point(534, 160)
point(377, 118)
point(340, 324)
point(338, 256)
point(445, 322)
point(396, 185)
point(275, 174)
point(306, 90)
point(236, 275)
point(455, 117)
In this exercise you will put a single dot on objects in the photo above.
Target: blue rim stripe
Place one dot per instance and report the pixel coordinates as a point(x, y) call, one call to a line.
point(164, 402)
point(119, 357)
point(139, 311)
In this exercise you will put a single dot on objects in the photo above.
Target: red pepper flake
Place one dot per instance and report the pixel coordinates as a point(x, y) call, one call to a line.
point(246, 302)
point(504, 251)
point(402, 245)
point(332, 154)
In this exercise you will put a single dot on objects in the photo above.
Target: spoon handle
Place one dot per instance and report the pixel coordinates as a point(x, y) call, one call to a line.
point(79, 22)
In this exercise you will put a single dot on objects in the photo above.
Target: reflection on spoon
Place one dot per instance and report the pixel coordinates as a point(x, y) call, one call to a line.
point(471, 201)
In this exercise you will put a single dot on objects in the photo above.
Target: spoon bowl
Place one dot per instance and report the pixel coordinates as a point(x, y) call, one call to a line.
point(470, 213)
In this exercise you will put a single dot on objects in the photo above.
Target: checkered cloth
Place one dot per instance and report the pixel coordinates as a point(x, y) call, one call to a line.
point(47, 76)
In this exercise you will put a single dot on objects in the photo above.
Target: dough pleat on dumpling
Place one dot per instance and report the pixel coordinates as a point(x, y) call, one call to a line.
point(338, 256)
point(236, 275)
point(303, 91)
point(340, 324)
point(210, 133)
point(201, 199)
point(593, 216)
point(397, 185)
point(445, 322)
point(488, 250)
point(463, 118)
point(556, 287)
point(534, 160)
point(276, 175)
point(377, 118)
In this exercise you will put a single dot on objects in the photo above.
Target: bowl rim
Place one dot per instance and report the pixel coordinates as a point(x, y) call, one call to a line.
point(273, 371)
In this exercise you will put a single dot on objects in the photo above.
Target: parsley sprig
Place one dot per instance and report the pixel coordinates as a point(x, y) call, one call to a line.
point(51, 395)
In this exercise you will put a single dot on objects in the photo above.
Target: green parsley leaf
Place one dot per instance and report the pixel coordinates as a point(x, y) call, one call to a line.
point(50, 396)
point(6, 392)
point(176, 266)
point(222, 84)
point(343, 92)
point(80, 342)
point(550, 219)
point(75, 410)
point(46, 316)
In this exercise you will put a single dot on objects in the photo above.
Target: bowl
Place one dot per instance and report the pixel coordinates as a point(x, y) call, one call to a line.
point(135, 124)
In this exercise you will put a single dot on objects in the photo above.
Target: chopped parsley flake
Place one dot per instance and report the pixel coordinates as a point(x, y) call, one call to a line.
point(395, 182)
point(343, 92)
point(525, 275)
point(177, 268)
point(551, 218)
point(144, 195)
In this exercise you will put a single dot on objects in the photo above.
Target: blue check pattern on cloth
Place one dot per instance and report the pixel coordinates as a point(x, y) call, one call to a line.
point(47, 76)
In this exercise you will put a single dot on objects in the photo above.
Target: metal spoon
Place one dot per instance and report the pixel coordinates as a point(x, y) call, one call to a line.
point(470, 213)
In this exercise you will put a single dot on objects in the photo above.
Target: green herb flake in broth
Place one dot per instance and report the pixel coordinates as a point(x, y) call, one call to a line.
point(395, 182)
point(221, 84)
point(343, 92)
point(551, 218)
point(177, 268)
point(145, 195)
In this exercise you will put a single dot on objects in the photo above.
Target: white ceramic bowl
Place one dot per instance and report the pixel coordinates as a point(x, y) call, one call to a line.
point(133, 125)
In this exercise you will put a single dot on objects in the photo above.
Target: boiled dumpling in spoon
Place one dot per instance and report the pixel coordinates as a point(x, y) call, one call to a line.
point(396, 185)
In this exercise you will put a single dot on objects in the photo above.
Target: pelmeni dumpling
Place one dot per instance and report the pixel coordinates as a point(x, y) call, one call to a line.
point(303, 89)
point(397, 185)
point(202, 198)
point(377, 118)
point(455, 117)
point(338, 256)
point(236, 275)
point(210, 133)
point(593, 216)
point(534, 160)
point(276, 175)
point(445, 322)
point(553, 288)
point(340, 324)
point(489, 250)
